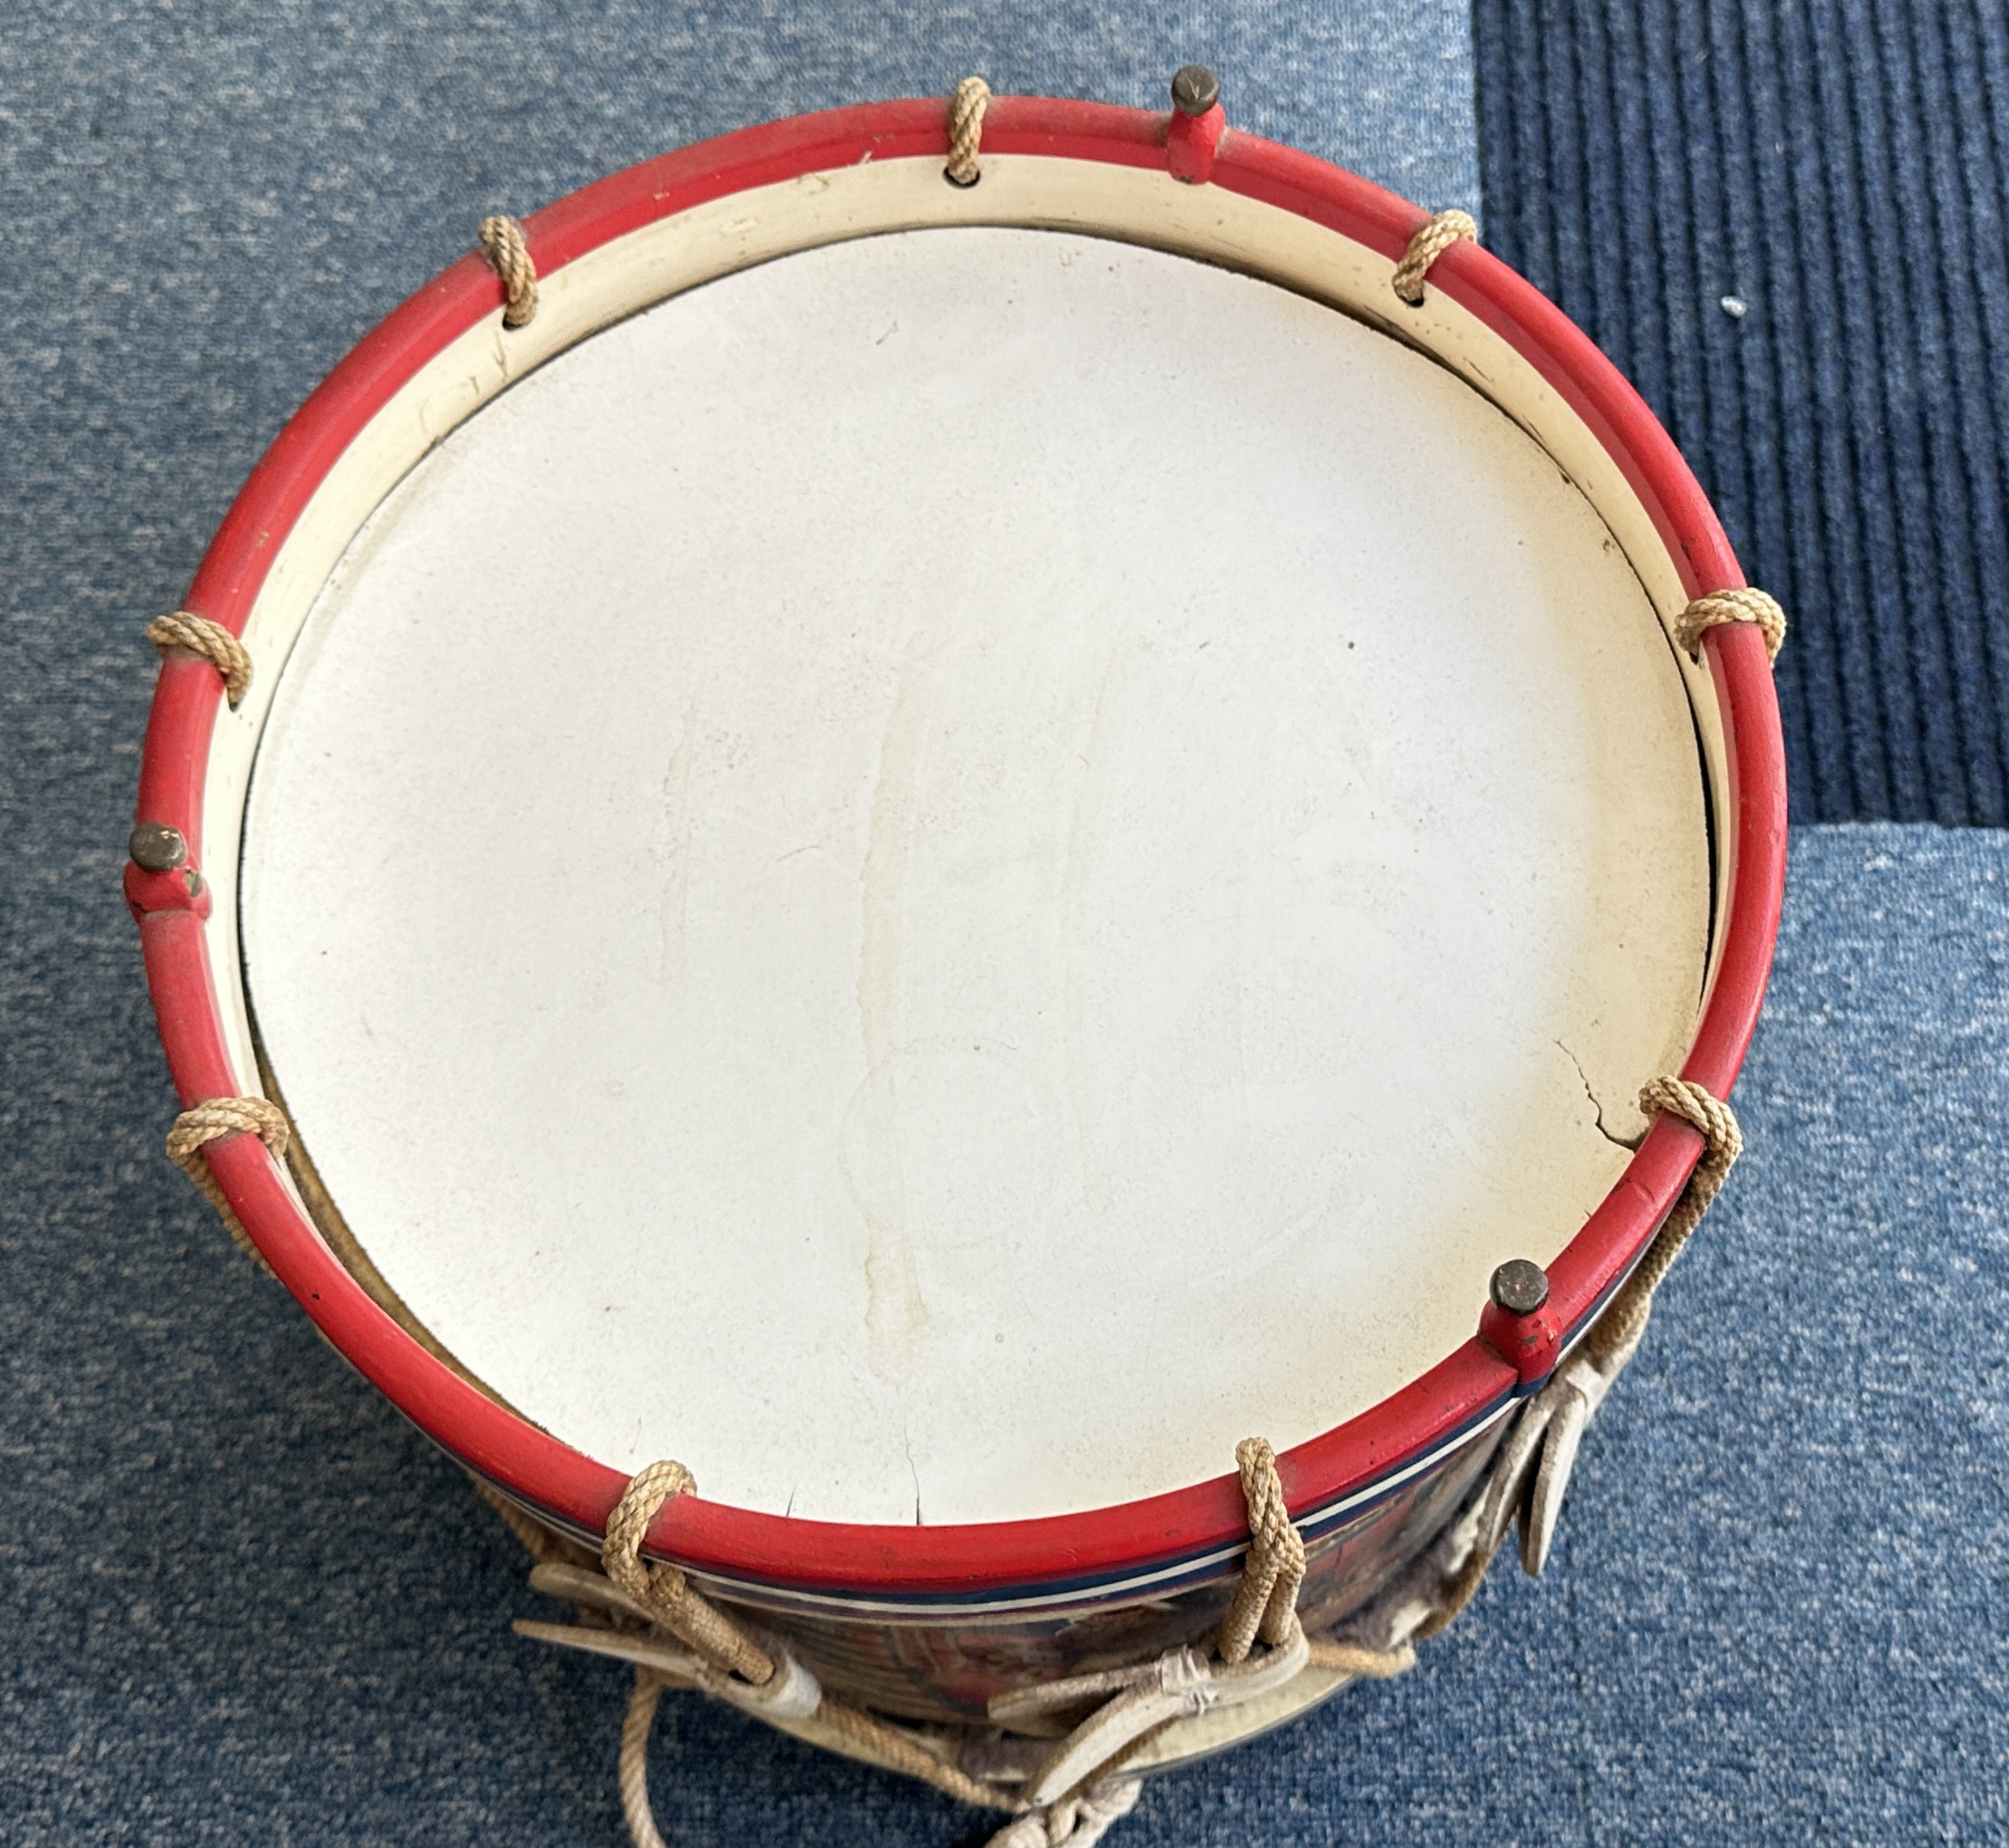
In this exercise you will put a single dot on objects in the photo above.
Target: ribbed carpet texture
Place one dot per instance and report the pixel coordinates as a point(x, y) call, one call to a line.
point(241, 1601)
point(1784, 219)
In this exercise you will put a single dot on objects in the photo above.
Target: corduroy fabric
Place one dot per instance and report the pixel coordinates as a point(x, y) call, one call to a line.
point(1839, 168)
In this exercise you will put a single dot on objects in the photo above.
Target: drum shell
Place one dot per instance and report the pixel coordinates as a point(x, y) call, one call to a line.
point(948, 1671)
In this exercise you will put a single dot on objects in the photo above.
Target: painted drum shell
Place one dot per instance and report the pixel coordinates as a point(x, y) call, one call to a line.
point(948, 1670)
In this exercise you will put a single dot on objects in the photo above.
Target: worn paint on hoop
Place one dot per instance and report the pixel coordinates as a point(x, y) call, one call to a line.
point(1083, 167)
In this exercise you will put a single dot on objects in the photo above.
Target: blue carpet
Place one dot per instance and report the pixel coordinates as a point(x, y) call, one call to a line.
point(1841, 168)
point(240, 1601)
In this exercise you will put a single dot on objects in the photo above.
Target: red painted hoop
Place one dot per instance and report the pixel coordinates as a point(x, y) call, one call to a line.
point(923, 1563)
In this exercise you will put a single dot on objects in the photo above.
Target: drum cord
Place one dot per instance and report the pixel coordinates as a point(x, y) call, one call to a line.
point(1432, 239)
point(205, 1123)
point(1743, 604)
point(508, 253)
point(965, 131)
point(503, 241)
point(1072, 1789)
point(197, 636)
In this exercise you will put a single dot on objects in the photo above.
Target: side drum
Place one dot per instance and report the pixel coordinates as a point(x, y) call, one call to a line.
point(935, 808)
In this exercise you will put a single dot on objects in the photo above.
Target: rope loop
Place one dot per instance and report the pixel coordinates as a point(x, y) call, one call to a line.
point(1432, 239)
point(1266, 1601)
point(663, 1590)
point(1611, 1343)
point(640, 1503)
point(1743, 604)
point(209, 1121)
point(965, 131)
point(1702, 1110)
point(507, 250)
point(183, 628)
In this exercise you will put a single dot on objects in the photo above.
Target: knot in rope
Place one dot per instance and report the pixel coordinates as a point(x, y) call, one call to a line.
point(204, 1122)
point(1266, 1601)
point(1078, 1821)
point(1741, 604)
point(183, 628)
point(1432, 239)
point(509, 251)
point(1188, 1679)
point(1701, 1111)
point(965, 131)
point(1180, 1684)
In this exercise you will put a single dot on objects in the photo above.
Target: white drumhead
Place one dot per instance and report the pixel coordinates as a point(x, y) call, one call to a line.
point(940, 876)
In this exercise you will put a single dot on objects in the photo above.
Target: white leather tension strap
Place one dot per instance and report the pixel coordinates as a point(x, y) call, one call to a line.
point(1180, 1684)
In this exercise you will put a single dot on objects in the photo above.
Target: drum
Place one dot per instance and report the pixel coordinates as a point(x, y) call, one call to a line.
point(1038, 832)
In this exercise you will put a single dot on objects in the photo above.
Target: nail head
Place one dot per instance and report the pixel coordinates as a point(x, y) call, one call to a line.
point(156, 847)
point(1195, 90)
point(1520, 1288)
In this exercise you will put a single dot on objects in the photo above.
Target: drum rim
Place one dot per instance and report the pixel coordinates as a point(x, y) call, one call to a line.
point(1153, 1545)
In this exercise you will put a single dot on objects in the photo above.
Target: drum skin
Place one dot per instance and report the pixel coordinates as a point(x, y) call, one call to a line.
point(929, 1622)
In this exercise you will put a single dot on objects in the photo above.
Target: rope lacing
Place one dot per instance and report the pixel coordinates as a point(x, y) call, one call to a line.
point(1074, 1793)
point(183, 628)
point(1266, 1601)
point(965, 131)
point(728, 1660)
point(203, 1123)
point(662, 1590)
point(508, 253)
point(1075, 1787)
point(1079, 1789)
point(1743, 604)
point(1431, 240)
